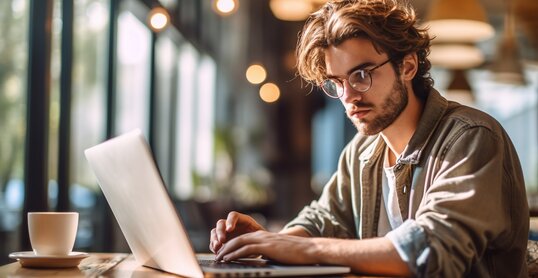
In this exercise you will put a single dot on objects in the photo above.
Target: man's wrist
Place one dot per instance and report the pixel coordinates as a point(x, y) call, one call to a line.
point(327, 250)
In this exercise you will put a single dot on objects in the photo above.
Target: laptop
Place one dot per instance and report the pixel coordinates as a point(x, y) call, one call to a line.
point(133, 187)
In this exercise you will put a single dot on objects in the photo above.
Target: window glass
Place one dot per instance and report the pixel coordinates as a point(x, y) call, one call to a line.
point(13, 62)
point(203, 129)
point(54, 108)
point(195, 125)
point(188, 67)
point(166, 57)
point(88, 110)
point(132, 91)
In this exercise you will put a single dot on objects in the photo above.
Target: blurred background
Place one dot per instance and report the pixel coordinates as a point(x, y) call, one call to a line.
point(212, 84)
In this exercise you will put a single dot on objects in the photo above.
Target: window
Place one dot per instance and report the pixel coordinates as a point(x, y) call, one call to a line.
point(188, 67)
point(166, 78)
point(132, 102)
point(88, 112)
point(184, 90)
point(194, 156)
point(13, 62)
point(203, 129)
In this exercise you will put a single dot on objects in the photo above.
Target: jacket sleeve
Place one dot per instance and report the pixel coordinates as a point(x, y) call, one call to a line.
point(467, 207)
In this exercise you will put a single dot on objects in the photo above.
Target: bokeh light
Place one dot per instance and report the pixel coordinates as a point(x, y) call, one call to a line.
point(269, 92)
point(225, 7)
point(256, 74)
point(158, 19)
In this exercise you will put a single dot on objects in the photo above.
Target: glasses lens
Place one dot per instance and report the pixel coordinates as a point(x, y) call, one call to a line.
point(332, 88)
point(360, 80)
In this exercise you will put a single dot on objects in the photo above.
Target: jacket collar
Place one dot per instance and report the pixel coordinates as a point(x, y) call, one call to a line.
point(434, 109)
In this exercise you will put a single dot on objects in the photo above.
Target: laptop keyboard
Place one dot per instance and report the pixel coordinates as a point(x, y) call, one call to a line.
point(245, 269)
point(231, 265)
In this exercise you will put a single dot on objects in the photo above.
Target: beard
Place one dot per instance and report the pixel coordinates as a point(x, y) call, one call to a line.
point(391, 108)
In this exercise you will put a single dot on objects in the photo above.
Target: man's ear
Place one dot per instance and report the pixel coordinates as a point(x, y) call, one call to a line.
point(409, 67)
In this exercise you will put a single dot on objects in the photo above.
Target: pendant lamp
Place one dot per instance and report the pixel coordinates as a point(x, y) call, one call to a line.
point(507, 67)
point(456, 56)
point(458, 21)
point(459, 89)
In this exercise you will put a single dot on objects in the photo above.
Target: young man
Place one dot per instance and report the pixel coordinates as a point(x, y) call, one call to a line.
point(428, 187)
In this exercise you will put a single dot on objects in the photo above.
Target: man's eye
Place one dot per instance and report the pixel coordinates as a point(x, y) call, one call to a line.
point(358, 75)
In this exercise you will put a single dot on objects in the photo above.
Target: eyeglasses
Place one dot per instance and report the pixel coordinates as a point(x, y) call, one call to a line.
point(360, 80)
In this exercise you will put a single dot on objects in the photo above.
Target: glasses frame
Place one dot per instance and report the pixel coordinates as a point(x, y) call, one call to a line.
point(339, 82)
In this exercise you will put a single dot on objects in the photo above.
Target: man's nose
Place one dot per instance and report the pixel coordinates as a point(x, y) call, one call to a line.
point(350, 95)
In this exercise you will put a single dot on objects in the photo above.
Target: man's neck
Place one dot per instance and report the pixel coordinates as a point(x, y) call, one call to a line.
point(399, 133)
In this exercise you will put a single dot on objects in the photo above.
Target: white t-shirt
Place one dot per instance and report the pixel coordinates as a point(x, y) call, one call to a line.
point(390, 216)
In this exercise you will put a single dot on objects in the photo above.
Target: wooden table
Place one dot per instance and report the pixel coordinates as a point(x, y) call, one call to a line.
point(93, 266)
point(96, 265)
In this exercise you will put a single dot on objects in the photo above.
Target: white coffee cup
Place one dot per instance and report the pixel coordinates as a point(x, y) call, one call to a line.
point(52, 233)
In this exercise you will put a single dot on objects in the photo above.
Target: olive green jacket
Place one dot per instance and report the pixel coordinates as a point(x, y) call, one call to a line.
point(460, 190)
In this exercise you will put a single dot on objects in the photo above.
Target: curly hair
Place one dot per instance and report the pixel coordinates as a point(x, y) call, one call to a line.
point(389, 24)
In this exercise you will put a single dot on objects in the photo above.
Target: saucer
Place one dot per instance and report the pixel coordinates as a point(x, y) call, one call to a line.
point(30, 259)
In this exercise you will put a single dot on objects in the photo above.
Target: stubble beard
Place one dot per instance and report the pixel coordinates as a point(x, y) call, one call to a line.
point(391, 108)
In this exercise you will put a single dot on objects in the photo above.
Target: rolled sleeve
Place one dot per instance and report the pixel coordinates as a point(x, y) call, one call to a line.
point(317, 220)
point(411, 243)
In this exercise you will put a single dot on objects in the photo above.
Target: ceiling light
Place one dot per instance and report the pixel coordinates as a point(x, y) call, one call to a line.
point(507, 67)
point(458, 21)
point(525, 12)
point(291, 10)
point(225, 7)
point(455, 56)
point(158, 19)
point(459, 89)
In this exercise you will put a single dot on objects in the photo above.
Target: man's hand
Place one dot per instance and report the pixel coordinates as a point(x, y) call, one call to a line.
point(234, 225)
point(368, 256)
point(278, 247)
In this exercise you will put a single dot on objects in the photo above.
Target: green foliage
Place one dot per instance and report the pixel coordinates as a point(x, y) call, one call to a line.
point(13, 61)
